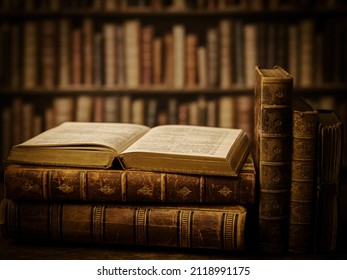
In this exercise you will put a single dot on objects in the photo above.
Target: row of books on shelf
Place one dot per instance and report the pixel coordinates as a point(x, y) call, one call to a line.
point(61, 53)
point(23, 119)
point(185, 186)
point(163, 5)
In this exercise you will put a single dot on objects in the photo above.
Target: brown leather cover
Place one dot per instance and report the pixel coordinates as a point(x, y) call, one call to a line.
point(191, 227)
point(273, 146)
point(56, 183)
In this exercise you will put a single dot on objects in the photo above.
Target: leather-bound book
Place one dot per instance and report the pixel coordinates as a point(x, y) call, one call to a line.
point(303, 178)
point(272, 155)
point(35, 183)
point(187, 227)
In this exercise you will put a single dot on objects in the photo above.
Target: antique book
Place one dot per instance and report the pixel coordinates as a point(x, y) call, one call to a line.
point(120, 56)
point(329, 160)
point(178, 53)
point(35, 183)
point(146, 54)
point(109, 56)
point(226, 112)
point(87, 51)
point(65, 50)
point(202, 66)
point(225, 58)
point(111, 110)
point(14, 78)
point(191, 60)
point(301, 218)
point(132, 52)
point(168, 60)
point(30, 54)
point(306, 52)
point(84, 108)
point(48, 53)
point(171, 148)
point(76, 57)
point(250, 53)
point(244, 114)
point(181, 226)
point(238, 53)
point(157, 60)
point(63, 108)
point(212, 52)
point(138, 110)
point(272, 155)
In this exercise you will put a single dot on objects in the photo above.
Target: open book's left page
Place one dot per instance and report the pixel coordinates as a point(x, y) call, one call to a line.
point(78, 144)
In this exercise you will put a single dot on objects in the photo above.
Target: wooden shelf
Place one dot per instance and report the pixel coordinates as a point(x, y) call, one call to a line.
point(338, 91)
point(124, 91)
point(147, 12)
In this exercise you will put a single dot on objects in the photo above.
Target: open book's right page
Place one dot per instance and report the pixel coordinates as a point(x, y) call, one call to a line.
point(188, 149)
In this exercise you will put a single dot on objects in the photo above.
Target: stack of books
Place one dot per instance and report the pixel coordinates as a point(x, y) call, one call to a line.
point(116, 183)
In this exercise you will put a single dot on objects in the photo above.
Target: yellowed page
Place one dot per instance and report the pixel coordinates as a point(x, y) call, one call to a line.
point(187, 140)
point(116, 136)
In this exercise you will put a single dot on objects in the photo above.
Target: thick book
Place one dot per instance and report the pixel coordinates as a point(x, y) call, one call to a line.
point(168, 148)
point(329, 161)
point(303, 181)
point(272, 155)
point(35, 183)
point(187, 227)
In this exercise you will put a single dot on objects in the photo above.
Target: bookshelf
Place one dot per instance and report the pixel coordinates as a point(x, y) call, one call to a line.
point(157, 62)
point(117, 61)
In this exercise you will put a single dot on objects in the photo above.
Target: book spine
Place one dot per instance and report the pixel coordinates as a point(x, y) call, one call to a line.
point(30, 54)
point(65, 50)
point(128, 225)
point(303, 182)
point(49, 54)
point(28, 183)
point(178, 51)
point(273, 133)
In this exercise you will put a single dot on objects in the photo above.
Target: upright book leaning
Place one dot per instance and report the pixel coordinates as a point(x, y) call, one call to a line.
point(272, 155)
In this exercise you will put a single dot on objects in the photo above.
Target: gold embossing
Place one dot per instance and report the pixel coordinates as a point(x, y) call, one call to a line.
point(225, 191)
point(184, 192)
point(64, 187)
point(106, 189)
point(146, 191)
point(27, 186)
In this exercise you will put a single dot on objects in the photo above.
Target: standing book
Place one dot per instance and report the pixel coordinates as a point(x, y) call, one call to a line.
point(329, 160)
point(168, 148)
point(303, 181)
point(272, 155)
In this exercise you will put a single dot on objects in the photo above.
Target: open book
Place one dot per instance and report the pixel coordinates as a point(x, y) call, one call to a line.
point(167, 148)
